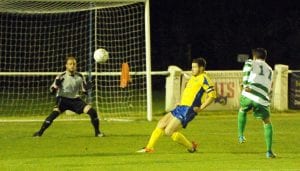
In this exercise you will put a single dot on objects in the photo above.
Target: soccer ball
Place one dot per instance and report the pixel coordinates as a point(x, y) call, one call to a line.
point(101, 55)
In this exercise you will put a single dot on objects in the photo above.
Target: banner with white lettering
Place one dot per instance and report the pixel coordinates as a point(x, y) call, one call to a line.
point(294, 90)
point(228, 87)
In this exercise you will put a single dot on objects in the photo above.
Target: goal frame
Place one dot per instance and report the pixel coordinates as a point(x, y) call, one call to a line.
point(90, 73)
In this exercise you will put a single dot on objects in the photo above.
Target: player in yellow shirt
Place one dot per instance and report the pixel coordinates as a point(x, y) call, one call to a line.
point(197, 95)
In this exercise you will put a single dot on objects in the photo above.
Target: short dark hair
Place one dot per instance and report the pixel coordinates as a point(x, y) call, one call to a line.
point(260, 53)
point(200, 62)
point(70, 57)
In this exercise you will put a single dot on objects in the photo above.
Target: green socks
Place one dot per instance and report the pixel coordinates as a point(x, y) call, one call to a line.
point(268, 129)
point(268, 136)
point(242, 118)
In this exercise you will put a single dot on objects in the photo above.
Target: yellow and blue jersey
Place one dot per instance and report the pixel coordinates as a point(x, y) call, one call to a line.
point(196, 90)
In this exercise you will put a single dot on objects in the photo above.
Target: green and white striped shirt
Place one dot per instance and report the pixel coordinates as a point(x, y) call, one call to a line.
point(257, 75)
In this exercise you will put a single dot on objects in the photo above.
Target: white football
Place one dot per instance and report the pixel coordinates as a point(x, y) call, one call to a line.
point(101, 55)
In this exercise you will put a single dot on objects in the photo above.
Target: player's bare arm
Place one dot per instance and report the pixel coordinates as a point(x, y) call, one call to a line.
point(207, 102)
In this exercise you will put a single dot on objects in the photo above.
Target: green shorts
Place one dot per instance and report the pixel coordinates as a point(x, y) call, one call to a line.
point(259, 111)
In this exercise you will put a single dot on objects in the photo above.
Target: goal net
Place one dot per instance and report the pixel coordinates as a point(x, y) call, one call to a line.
point(36, 36)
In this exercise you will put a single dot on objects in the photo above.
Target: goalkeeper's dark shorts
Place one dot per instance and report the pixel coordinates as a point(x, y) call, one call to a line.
point(76, 105)
point(184, 113)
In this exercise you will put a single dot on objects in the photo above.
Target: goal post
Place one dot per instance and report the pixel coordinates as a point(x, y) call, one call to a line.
point(148, 60)
point(37, 35)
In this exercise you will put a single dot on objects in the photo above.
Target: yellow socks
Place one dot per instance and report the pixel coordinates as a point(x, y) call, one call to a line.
point(181, 139)
point(176, 136)
point(158, 132)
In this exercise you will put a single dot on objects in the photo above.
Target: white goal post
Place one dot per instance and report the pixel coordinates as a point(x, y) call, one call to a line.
point(37, 35)
point(227, 84)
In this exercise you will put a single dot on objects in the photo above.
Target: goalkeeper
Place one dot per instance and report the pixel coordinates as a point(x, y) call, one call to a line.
point(193, 101)
point(67, 87)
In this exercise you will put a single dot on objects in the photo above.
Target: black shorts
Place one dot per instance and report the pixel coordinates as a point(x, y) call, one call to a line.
point(76, 105)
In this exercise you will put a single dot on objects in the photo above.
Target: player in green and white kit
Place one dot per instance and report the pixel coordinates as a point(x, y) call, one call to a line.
point(257, 82)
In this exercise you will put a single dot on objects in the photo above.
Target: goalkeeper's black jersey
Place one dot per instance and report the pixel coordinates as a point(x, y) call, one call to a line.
point(71, 85)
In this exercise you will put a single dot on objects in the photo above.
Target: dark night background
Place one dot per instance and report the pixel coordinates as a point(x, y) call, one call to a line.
point(181, 30)
point(219, 30)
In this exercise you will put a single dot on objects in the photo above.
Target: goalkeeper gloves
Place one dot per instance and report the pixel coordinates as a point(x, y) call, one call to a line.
point(88, 85)
point(59, 81)
point(53, 90)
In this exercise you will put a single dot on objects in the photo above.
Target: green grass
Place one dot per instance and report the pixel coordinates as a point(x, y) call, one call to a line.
point(70, 145)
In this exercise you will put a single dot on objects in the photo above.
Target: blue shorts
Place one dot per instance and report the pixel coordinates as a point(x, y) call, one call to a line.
point(184, 113)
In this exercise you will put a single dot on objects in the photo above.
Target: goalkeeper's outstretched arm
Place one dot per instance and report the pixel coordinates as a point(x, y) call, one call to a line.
point(86, 86)
point(56, 84)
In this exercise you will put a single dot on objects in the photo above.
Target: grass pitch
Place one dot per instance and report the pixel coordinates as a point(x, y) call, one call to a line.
point(70, 145)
